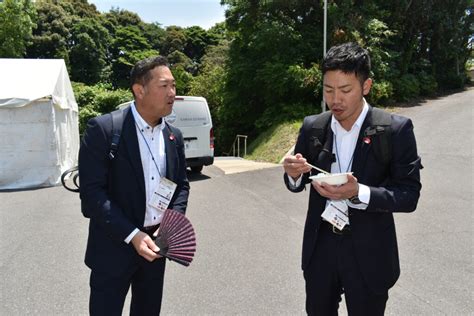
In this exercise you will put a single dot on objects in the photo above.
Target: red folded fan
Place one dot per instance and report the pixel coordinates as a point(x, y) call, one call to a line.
point(176, 238)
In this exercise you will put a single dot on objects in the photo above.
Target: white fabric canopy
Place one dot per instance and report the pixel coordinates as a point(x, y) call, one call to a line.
point(38, 123)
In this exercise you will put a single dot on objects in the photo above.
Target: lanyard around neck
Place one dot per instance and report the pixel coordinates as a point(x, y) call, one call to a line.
point(149, 149)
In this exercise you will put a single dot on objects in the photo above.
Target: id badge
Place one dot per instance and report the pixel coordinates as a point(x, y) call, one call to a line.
point(336, 213)
point(162, 195)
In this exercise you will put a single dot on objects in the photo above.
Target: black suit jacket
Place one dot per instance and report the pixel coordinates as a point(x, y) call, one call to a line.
point(393, 188)
point(113, 191)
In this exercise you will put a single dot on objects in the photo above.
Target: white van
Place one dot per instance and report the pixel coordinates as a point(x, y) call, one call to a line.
point(192, 116)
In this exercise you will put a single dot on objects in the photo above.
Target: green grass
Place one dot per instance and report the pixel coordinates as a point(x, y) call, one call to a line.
point(273, 144)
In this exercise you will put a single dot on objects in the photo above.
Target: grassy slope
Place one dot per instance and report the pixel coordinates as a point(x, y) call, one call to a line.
point(274, 143)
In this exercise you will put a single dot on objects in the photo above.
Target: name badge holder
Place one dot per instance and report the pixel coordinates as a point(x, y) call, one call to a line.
point(162, 195)
point(337, 213)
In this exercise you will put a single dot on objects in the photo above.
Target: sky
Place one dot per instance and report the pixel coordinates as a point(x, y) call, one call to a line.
point(184, 13)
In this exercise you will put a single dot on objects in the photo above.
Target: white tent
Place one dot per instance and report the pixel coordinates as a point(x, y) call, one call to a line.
point(39, 133)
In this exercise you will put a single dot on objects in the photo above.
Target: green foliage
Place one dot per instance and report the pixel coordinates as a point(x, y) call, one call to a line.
point(89, 52)
point(85, 114)
point(96, 100)
point(261, 65)
point(183, 79)
point(128, 47)
point(107, 101)
point(451, 80)
point(154, 35)
point(50, 37)
point(84, 94)
point(428, 84)
point(210, 84)
point(175, 40)
point(16, 23)
point(381, 93)
point(197, 39)
point(407, 87)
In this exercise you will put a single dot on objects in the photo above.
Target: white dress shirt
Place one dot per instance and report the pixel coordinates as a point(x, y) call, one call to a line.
point(152, 149)
point(344, 144)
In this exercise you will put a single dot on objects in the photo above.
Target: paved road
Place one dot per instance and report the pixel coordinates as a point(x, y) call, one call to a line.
point(249, 230)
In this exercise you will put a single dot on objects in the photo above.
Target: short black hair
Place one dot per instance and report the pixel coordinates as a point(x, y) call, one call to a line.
point(140, 73)
point(348, 58)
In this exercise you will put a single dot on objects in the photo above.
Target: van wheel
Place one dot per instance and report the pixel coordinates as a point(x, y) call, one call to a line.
point(196, 169)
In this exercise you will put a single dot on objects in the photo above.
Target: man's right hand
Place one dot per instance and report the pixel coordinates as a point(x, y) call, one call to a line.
point(295, 166)
point(145, 246)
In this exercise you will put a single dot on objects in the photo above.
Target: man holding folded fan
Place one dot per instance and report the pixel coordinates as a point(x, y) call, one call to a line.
point(349, 243)
point(132, 168)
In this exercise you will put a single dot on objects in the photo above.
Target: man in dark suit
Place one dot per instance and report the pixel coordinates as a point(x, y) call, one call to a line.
point(117, 193)
point(360, 258)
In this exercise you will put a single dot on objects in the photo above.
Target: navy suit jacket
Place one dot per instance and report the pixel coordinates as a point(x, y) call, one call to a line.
point(113, 191)
point(393, 188)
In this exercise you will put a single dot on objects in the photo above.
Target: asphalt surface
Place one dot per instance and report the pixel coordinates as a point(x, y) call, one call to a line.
point(249, 230)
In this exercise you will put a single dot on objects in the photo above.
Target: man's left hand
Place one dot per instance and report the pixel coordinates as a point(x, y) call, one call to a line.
point(338, 192)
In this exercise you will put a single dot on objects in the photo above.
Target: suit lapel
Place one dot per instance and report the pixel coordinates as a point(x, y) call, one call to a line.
point(171, 154)
point(130, 140)
point(362, 149)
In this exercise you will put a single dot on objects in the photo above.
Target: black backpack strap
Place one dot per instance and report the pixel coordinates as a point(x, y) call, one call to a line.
point(117, 123)
point(381, 132)
point(317, 134)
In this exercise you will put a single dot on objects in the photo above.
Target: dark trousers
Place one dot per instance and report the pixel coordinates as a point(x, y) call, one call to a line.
point(108, 292)
point(334, 270)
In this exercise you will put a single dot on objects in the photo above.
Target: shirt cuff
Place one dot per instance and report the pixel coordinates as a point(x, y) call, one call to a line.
point(132, 234)
point(294, 184)
point(364, 197)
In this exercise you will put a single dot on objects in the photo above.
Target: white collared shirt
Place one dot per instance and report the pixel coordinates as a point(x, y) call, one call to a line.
point(346, 141)
point(346, 144)
point(152, 149)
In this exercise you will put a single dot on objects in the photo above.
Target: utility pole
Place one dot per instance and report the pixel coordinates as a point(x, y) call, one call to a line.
point(323, 102)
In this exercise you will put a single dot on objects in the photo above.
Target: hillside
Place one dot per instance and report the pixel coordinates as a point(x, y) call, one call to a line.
point(274, 143)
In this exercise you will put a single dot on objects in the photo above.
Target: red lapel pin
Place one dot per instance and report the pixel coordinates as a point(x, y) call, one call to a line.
point(366, 140)
point(171, 137)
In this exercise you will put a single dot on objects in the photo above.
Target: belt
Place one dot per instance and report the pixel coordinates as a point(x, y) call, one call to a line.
point(345, 231)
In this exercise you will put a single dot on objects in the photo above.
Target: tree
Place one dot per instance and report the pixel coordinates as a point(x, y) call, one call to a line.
point(16, 23)
point(175, 40)
point(197, 40)
point(210, 84)
point(128, 47)
point(51, 35)
point(88, 54)
point(154, 34)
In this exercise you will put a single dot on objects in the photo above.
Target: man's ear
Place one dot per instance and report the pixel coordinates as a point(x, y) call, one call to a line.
point(138, 90)
point(366, 86)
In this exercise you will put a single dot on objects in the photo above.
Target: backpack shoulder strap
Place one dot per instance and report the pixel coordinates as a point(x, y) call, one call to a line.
point(381, 127)
point(317, 134)
point(118, 118)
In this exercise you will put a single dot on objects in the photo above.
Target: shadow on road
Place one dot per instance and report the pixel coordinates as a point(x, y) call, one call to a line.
point(195, 176)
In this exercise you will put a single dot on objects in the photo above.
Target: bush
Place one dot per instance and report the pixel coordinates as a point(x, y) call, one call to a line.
point(381, 93)
point(407, 87)
point(85, 114)
point(107, 101)
point(84, 94)
point(428, 84)
point(96, 100)
point(451, 80)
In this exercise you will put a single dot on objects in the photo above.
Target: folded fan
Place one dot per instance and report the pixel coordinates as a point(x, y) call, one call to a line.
point(176, 238)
